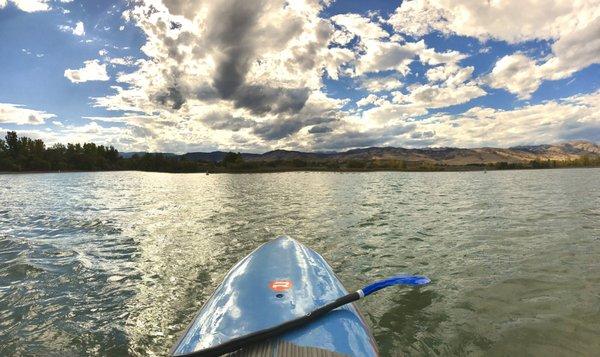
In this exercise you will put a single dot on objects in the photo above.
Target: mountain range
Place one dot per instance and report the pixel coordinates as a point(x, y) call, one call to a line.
point(444, 155)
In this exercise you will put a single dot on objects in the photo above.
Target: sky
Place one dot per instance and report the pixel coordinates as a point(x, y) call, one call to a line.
point(257, 75)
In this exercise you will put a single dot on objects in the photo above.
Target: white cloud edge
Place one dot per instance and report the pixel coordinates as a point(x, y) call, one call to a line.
point(92, 70)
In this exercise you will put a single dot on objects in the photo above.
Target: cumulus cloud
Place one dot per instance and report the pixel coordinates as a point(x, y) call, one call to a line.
point(335, 61)
point(431, 57)
point(254, 74)
point(28, 5)
point(260, 61)
point(440, 96)
point(283, 127)
point(452, 73)
point(226, 121)
point(522, 75)
point(388, 113)
point(370, 99)
point(576, 117)
point(261, 99)
point(18, 114)
point(247, 48)
point(92, 70)
point(512, 21)
point(361, 26)
point(263, 58)
point(77, 30)
point(516, 73)
point(381, 52)
point(381, 56)
point(449, 85)
point(571, 26)
point(361, 137)
point(379, 84)
point(320, 129)
point(122, 61)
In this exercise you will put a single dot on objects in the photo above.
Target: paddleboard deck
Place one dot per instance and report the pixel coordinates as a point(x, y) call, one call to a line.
point(279, 281)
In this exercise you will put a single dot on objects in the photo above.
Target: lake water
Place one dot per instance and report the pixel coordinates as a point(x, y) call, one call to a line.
point(117, 263)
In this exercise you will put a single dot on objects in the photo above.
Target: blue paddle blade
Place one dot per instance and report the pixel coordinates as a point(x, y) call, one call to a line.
point(410, 280)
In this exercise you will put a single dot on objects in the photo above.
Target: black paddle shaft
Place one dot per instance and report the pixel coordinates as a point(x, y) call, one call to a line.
point(268, 333)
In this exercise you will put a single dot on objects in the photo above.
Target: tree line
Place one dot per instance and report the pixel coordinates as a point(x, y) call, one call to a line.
point(22, 154)
point(25, 154)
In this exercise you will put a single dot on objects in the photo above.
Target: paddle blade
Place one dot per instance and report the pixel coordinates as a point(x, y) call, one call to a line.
point(410, 280)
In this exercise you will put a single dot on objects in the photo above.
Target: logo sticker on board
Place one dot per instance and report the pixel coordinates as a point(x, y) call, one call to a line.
point(280, 285)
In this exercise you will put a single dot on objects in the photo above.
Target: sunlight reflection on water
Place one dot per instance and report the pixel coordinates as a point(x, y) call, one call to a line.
point(118, 263)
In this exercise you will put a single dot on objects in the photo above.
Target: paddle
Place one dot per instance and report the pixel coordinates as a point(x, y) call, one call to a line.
point(262, 335)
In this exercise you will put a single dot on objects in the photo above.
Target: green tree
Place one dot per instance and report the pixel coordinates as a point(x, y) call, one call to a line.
point(12, 141)
point(232, 159)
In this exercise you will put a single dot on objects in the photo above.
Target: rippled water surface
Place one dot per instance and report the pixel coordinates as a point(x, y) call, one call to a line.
point(118, 263)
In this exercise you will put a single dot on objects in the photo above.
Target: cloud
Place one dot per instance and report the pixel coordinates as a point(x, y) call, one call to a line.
point(440, 96)
point(361, 26)
point(91, 71)
point(256, 74)
point(171, 97)
point(379, 84)
point(576, 117)
point(381, 56)
point(431, 57)
point(233, 31)
point(264, 56)
point(335, 59)
point(571, 26)
point(449, 85)
point(320, 129)
point(391, 113)
point(357, 138)
point(77, 30)
point(522, 75)
point(516, 73)
point(226, 121)
point(17, 114)
point(370, 99)
point(452, 73)
point(28, 5)
point(122, 61)
point(29, 53)
point(260, 99)
point(284, 127)
point(512, 21)
point(278, 128)
point(574, 50)
point(262, 62)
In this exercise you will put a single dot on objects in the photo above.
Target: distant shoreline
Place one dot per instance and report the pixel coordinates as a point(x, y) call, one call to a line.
point(25, 155)
point(461, 169)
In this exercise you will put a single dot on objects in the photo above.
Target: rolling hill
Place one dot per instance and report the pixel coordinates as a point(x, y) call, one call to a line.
point(444, 155)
